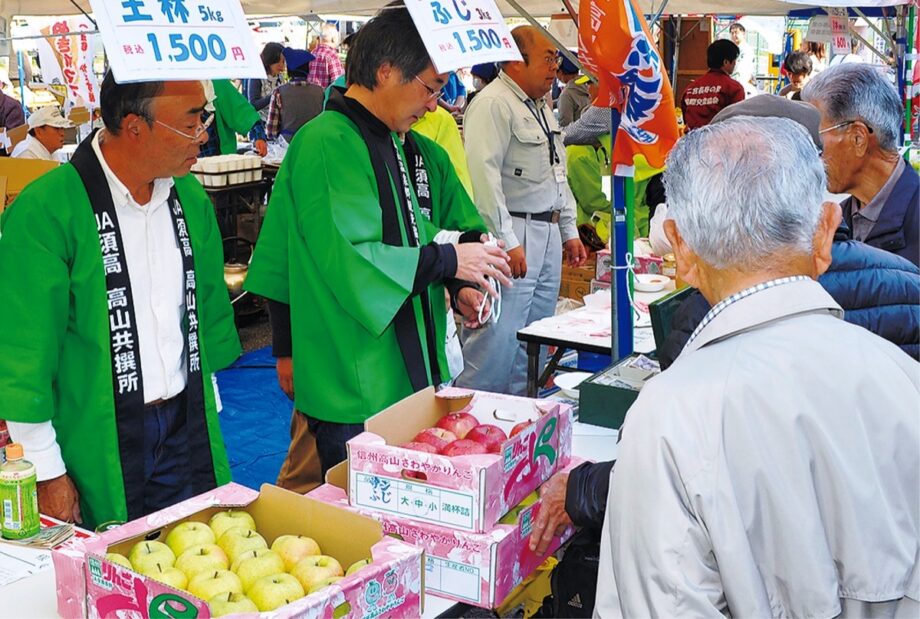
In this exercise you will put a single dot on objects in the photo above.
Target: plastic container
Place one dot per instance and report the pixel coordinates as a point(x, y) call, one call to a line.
point(18, 495)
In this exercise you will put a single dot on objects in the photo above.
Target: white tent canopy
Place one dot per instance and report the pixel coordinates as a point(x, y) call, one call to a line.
point(540, 8)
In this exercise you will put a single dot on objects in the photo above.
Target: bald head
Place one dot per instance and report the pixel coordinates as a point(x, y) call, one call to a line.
point(536, 74)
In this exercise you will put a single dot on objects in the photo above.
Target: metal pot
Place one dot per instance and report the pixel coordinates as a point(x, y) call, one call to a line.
point(234, 276)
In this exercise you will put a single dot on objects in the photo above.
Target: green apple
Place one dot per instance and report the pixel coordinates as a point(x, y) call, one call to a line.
point(171, 576)
point(221, 522)
point(230, 603)
point(311, 570)
point(211, 583)
point(271, 592)
point(357, 565)
point(187, 534)
point(120, 559)
point(201, 559)
point(254, 564)
point(323, 584)
point(146, 555)
point(512, 516)
point(293, 548)
point(237, 541)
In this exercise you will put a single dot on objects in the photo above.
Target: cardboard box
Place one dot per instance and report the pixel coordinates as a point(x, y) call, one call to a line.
point(604, 399)
point(599, 285)
point(572, 289)
point(578, 274)
point(390, 586)
point(648, 264)
point(19, 173)
point(481, 569)
point(470, 493)
point(603, 269)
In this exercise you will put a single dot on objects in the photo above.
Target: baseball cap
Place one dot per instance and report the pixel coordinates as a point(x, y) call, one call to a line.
point(774, 106)
point(567, 66)
point(487, 71)
point(296, 58)
point(49, 116)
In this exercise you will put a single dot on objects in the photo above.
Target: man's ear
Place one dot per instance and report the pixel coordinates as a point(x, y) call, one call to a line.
point(859, 139)
point(823, 240)
point(385, 73)
point(687, 260)
point(131, 125)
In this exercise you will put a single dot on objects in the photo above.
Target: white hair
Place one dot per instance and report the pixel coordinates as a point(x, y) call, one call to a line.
point(746, 191)
point(329, 33)
point(858, 91)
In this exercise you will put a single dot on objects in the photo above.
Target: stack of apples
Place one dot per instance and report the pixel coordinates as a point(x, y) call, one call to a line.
point(229, 564)
point(461, 434)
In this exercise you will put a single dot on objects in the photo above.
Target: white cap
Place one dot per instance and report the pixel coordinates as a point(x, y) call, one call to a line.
point(49, 115)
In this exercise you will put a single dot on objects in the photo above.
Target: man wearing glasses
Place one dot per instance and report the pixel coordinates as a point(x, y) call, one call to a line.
point(861, 116)
point(517, 162)
point(117, 314)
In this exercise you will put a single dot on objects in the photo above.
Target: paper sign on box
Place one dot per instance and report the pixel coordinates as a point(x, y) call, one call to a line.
point(177, 40)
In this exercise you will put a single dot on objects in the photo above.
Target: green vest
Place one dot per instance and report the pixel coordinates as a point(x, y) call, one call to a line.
point(234, 114)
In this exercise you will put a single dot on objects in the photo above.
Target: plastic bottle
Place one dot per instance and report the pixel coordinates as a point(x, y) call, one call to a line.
point(18, 495)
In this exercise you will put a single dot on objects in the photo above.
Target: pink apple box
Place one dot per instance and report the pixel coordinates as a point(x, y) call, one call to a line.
point(602, 268)
point(470, 492)
point(391, 586)
point(481, 569)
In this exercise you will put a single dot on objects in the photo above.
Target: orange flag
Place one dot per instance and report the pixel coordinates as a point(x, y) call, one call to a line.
point(616, 46)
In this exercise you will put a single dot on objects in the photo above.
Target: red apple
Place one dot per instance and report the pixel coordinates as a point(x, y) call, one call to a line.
point(438, 438)
point(458, 423)
point(419, 446)
point(489, 436)
point(520, 428)
point(463, 447)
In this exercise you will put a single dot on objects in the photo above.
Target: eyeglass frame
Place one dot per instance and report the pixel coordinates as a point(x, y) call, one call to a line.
point(846, 123)
point(550, 61)
point(200, 130)
point(433, 94)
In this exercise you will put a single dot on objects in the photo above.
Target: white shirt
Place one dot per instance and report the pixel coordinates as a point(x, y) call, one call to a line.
point(155, 268)
point(771, 471)
point(31, 148)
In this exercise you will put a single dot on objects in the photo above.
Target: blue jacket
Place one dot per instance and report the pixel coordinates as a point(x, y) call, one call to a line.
point(898, 227)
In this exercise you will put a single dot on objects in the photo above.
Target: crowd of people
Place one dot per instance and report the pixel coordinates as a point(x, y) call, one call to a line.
point(770, 470)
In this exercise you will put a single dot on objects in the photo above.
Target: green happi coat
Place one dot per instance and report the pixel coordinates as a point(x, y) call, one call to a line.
point(55, 357)
point(321, 250)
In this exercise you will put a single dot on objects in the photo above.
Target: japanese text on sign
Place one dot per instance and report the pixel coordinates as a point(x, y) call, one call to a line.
point(840, 38)
point(177, 39)
point(461, 33)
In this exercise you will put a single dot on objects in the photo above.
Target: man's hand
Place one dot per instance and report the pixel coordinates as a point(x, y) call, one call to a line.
point(285, 369)
point(475, 261)
point(574, 253)
point(552, 518)
point(59, 499)
point(261, 147)
point(468, 302)
point(518, 262)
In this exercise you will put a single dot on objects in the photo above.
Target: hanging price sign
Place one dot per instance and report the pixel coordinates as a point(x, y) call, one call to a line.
point(177, 39)
point(840, 31)
point(462, 33)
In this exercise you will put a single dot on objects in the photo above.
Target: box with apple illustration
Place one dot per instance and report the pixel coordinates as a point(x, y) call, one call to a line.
point(481, 569)
point(271, 553)
point(446, 458)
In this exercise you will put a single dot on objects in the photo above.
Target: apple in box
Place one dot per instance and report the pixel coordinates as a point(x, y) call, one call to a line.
point(464, 447)
point(489, 436)
point(458, 423)
point(439, 438)
point(417, 446)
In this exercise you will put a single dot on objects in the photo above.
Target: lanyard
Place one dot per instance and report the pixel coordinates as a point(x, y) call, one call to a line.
point(544, 126)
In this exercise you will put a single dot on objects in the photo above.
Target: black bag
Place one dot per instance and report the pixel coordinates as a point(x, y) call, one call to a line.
point(574, 579)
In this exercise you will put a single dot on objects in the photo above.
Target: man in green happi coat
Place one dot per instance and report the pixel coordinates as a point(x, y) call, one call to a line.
point(117, 315)
point(346, 246)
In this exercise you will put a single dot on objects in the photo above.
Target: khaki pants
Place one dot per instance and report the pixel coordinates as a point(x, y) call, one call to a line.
point(301, 471)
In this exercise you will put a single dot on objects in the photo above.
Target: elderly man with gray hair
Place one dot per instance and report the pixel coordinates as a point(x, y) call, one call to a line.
point(861, 116)
point(772, 469)
point(327, 66)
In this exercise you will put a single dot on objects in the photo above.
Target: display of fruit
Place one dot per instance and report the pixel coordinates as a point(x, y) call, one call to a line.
point(323, 584)
point(221, 522)
point(237, 541)
point(120, 559)
point(439, 438)
point(168, 575)
point(209, 584)
point(464, 447)
point(293, 548)
point(357, 565)
point(419, 446)
point(271, 592)
point(206, 557)
point(254, 564)
point(312, 570)
point(147, 555)
point(231, 603)
point(458, 423)
point(517, 429)
point(187, 534)
point(489, 436)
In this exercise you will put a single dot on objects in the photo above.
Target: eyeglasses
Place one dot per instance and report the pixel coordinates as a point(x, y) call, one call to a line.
point(551, 61)
point(432, 93)
point(200, 130)
point(846, 123)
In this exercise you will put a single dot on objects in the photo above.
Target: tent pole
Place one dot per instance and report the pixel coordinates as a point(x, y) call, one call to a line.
point(562, 48)
point(877, 30)
point(868, 45)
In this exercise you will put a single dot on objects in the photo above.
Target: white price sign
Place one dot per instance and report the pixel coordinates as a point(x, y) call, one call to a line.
point(462, 33)
point(840, 36)
point(177, 39)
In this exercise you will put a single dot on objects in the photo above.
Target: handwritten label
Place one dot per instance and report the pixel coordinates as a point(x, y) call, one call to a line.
point(840, 37)
point(462, 33)
point(177, 39)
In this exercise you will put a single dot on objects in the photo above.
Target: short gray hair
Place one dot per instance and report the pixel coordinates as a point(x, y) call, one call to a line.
point(330, 34)
point(858, 91)
point(743, 190)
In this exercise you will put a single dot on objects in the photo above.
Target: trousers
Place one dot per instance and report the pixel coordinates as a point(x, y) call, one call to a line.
point(165, 455)
point(301, 471)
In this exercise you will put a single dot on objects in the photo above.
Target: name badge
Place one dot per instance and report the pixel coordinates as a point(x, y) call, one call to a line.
point(559, 171)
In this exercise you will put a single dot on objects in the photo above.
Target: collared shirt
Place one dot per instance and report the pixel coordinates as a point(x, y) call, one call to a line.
point(864, 217)
point(508, 154)
point(31, 148)
point(325, 67)
point(273, 124)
